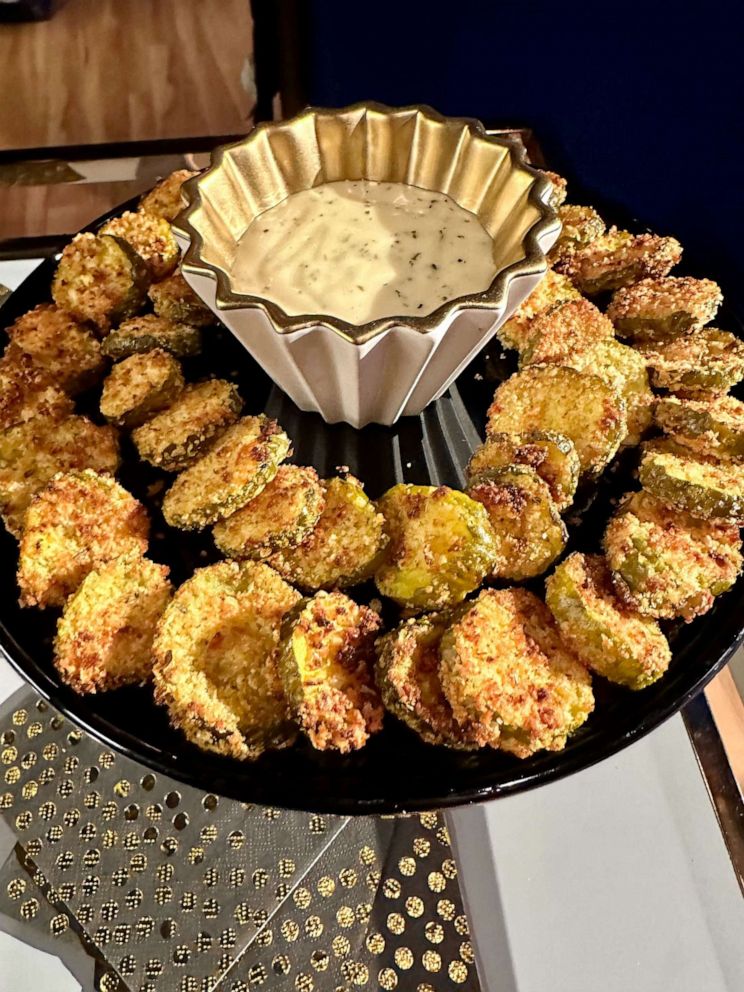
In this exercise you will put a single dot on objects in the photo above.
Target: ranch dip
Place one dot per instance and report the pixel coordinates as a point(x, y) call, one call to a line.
point(362, 250)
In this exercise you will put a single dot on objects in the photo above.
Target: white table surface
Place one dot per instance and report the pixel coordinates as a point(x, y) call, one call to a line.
point(615, 879)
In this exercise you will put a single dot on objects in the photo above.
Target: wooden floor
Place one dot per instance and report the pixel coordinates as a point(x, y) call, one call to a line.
point(120, 70)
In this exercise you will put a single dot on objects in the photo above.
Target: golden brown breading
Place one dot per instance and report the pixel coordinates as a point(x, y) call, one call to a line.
point(139, 386)
point(552, 289)
point(80, 521)
point(345, 545)
point(33, 452)
point(281, 516)
point(176, 437)
point(150, 331)
point(703, 487)
point(441, 546)
point(552, 456)
point(151, 237)
point(505, 670)
point(27, 391)
point(560, 185)
point(325, 662)
point(234, 470)
point(604, 632)
point(711, 424)
point(563, 330)
point(581, 226)
point(165, 200)
point(62, 346)
point(215, 654)
point(705, 361)
point(407, 674)
point(104, 637)
point(175, 299)
point(619, 258)
point(657, 309)
point(581, 406)
point(668, 564)
point(100, 279)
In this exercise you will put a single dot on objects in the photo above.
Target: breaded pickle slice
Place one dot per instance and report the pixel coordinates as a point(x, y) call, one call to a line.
point(603, 631)
point(581, 226)
point(553, 456)
point(570, 328)
point(560, 187)
point(234, 470)
point(619, 258)
point(32, 453)
point(104, 637)
point(710, 424)
point(666, 563)
point(58, 343)
point(529, 531)
point(149, 331)
point(326, 663)
point(506, 672)
point(27, 391)
point(407, 673)
point(80, 521)
point(151, 237)
point(625, 370)
point(215, 659)
point(173, 298)
point(441, 546)
point(705, 361)
point(658, 309)
point(552, 289)
point(281, 516)
point(165, 199)
point(177, 436)
point(139, 386)
point(345, 545)
point(576, 404)
point(100, 279)
point(703, 489)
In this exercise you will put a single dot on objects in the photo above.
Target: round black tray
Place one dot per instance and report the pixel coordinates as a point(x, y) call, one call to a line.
point(395, 772)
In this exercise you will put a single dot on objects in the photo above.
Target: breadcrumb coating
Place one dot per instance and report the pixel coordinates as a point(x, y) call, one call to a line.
point(705, 361)
point(166, 200)
point(619, 258)
point(151, 237)
point(551, 455)
point(581, 226)
point(27, 391)
point(664, 307)
point(149, 331)
point(552, 289)
point(174, 299)
point(58, 343)
point(710, 424)
point(139, 386)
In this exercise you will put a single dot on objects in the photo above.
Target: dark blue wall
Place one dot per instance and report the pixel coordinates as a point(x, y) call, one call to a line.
point(643, 102)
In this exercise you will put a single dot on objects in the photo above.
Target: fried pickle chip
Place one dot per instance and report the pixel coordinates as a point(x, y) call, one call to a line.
point(605, 634)
point(658, 309)
point(104, 637)
point(166, 200)
point(551, 455)
point(27, 391)
point(619, 258)
point(215, 659)
point(702, 488)
point(58, 343)
point(581, 226)
point(528, 529)
point(557, 334)
point(407, 673)
point(709, 424)
point(506, 673)
point(151, 237)
point(34, 452)
point(138, 386)
point(578, 405)
point(234, 470)
point(281, 516)
point(174, 299)
point(80, 521)
point(705, 361)
point(325, 662)
point(666, 563)
point(100, 279)
point(149, 331)
point(343, 548)
point(176, 437)
point(553, 288)
point(441, 546)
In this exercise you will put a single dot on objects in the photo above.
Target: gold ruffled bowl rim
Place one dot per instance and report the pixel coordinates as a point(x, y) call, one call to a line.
point(493, 298)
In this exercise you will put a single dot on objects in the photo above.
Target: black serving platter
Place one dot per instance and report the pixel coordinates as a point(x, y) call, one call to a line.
point(396, 771)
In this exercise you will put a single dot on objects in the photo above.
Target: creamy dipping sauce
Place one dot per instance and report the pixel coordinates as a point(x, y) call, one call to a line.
point(362, 250)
